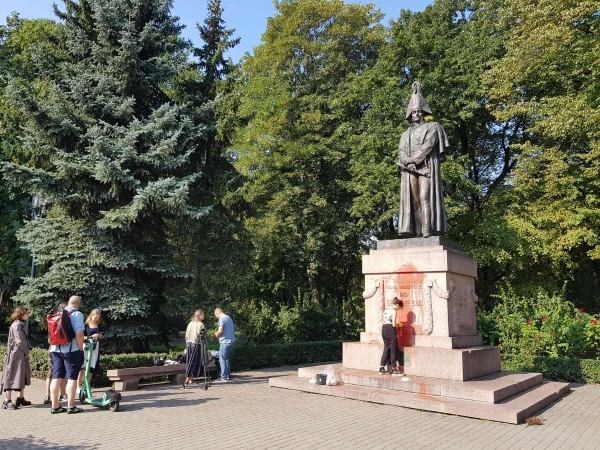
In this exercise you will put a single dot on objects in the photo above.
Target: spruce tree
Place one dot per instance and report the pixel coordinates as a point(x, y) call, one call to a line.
point(215, 249)
point(114, 150)
point(217, 40)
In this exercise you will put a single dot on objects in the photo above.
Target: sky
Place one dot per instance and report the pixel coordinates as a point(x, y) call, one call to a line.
point(248, 17)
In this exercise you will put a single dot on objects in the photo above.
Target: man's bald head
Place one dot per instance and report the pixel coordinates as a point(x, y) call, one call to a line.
point(218, 312)
point(75, 301)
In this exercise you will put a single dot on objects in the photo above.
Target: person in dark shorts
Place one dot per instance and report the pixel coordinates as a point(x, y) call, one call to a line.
point(390, 338)
point(67, 360)
point(63, 382)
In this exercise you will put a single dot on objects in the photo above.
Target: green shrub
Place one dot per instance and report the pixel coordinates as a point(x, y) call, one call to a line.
point(540, 325)
point(243, 357)
point(559, 369)
point(248, 357)
point(305, 321)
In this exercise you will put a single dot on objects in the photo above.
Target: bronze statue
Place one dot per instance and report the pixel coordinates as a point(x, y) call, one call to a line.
point(422, 149)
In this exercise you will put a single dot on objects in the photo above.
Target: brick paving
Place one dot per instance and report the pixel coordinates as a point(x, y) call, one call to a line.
point(247, 414)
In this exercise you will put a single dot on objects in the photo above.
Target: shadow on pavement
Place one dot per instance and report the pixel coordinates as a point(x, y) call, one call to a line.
point(31, 442)
point(167, 403)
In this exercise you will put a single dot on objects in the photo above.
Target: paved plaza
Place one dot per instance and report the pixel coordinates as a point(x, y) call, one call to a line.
point(248, 414)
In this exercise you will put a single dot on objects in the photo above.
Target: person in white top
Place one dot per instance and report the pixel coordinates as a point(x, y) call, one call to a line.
point(194, 348)
point(390, 338)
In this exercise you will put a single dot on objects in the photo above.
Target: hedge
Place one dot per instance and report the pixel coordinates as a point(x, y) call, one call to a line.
point(558, 369)
point(243, 357)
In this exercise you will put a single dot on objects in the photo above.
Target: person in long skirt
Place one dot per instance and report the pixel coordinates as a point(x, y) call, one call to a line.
point(17, 372)
point(193, 348)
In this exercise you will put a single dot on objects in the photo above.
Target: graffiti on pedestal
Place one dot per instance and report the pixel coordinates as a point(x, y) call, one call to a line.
point(415, 291)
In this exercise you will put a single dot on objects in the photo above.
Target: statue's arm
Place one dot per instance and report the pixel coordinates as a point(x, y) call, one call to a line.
point(403, 150)
point(404, 161)
point(429, 143)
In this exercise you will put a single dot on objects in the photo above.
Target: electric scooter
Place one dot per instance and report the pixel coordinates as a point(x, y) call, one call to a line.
point(111, 398)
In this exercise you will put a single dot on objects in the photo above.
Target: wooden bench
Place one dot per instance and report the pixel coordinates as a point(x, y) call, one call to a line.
point(128, 379)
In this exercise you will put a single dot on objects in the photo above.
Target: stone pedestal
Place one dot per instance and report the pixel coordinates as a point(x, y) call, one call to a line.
point(447, 369)
point(436, 281)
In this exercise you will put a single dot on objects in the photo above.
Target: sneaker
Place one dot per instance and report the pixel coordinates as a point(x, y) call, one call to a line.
point(7, 404)
point(63, 398)
point(221, 380)
point(382, 370)
point(397, 372)
point(47, 400)
point(74, 410)
point(60, 409)
point(192, 384)
point(22, 402)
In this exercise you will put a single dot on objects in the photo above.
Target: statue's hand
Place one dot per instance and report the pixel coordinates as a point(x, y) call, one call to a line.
point(411, 167)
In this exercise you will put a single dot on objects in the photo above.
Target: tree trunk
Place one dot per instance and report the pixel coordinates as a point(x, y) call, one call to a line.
point(139, 345)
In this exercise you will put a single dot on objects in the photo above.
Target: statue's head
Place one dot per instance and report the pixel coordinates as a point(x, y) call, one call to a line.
point(417, 105)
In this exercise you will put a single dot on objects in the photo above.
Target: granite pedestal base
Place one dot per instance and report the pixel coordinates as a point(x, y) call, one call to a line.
point(504, 396)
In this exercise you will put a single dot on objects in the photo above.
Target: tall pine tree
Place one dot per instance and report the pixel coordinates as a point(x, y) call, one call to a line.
point(115, 150)
point(214, 249)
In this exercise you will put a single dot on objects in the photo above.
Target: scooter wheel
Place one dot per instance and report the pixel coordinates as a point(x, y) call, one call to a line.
point(82, 396)
point(114, 406)
point(206, 387)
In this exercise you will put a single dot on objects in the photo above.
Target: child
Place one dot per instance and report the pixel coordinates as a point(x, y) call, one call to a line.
point(390, 338)
point(92, 330)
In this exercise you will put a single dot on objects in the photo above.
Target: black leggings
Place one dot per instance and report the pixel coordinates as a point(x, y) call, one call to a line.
point(390, 345)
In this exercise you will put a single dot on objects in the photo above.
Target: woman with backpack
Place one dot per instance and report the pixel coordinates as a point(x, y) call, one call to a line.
point(17, 372)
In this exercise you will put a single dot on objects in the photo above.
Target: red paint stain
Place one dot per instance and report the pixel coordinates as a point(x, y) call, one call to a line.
point(410, 315)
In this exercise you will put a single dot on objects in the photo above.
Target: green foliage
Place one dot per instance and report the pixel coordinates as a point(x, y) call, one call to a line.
point(243, 357)
point(112, 160)
point(217, 40)
point(293, 116)
point(305, 321)
point(539, 324)
point(20, 44)
point(559, 369)
point(549, 78)
point(248, 357)
point(104, 115)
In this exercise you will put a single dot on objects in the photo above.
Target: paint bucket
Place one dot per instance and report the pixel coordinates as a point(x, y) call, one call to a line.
point(321, 378)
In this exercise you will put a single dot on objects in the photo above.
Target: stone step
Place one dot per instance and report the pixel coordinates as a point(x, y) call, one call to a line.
point(511, 410)
point(490, 388)
point(449, 364)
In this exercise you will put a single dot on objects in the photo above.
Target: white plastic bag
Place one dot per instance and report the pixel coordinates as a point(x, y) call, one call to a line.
point(333, 379)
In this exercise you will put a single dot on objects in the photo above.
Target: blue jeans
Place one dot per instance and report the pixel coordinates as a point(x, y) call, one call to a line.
point(224, 354)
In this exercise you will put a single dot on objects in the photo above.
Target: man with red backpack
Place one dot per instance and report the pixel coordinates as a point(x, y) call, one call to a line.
point(66, 351)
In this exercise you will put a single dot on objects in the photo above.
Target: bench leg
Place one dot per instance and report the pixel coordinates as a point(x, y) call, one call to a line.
point(177, 379)
point(127, 385)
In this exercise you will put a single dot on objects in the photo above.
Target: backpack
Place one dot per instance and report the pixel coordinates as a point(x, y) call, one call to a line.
point(60, 329)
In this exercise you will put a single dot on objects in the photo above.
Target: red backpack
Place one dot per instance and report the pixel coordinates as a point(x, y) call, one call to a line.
point(60, 329)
